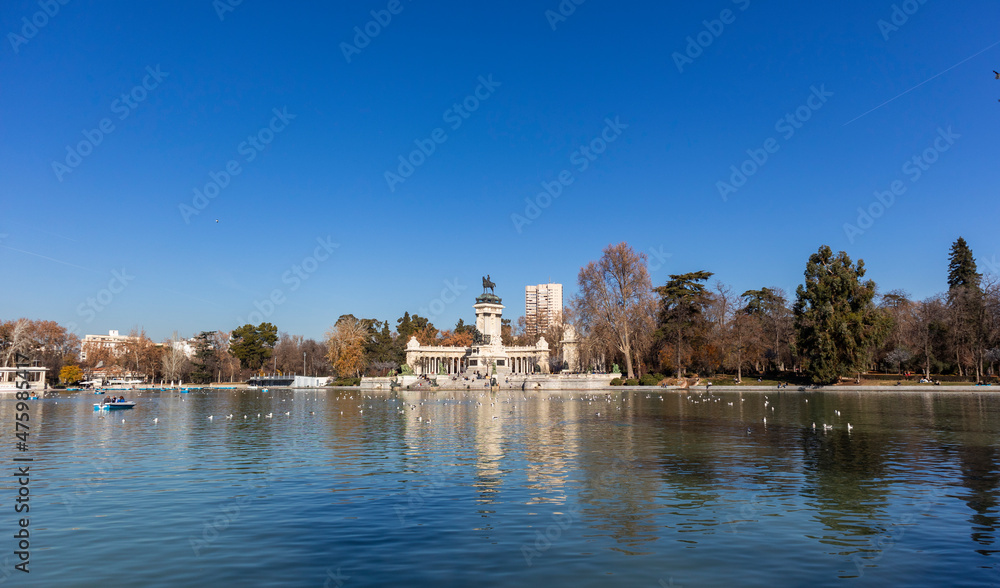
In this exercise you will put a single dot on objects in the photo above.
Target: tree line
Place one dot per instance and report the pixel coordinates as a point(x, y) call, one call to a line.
point(215, 356)
point(837, 326)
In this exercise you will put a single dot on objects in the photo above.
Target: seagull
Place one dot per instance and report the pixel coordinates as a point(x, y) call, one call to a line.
point(156, 420)
point(123, 420)
point(210, 417)
point(216, 220)
point(849, 427)
point(995, 72)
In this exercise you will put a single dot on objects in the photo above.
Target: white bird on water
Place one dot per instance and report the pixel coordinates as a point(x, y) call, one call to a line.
point(849, 427)
point(210, 417)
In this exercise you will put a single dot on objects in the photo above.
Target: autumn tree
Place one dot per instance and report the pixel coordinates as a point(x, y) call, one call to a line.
point(345, 343)
point(615, 299)
point(70, 374)
point(836, 319)
point(772, 325)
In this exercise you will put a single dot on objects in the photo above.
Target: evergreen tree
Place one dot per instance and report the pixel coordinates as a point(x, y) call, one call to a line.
point(966, 305)
point(253, 345)
point(204, 358)
point(682, 303)
point(962, 267)
point(836, 319)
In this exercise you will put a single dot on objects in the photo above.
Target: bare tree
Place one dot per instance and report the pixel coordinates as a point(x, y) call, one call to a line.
point(616, 299)
point(174, 360)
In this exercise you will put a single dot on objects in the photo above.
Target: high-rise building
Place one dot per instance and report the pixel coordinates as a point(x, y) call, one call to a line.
point(543, 307)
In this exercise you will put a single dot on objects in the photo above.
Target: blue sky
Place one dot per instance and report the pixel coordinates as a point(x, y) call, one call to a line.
point(552, 86)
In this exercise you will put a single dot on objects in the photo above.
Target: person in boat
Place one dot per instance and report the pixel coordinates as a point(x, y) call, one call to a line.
point(121, 399)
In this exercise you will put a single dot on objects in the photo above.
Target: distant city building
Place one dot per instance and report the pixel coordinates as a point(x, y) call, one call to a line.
point(113, 341)
point(543, 307)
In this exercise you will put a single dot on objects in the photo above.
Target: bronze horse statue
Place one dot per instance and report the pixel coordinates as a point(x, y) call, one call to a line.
point(488, 284)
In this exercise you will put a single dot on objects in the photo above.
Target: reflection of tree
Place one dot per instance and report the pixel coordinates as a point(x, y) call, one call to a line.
point(616, 495)
point(847, 479)
point(981, 475)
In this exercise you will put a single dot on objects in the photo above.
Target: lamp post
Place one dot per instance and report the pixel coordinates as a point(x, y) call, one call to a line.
point(304, 364)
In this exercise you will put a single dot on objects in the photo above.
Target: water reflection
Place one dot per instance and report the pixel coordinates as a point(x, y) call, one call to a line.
point(641, 486)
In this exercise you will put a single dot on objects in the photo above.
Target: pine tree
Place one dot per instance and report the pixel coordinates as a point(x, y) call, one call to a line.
point(837, 322)
point(682, 302)
point(962, 267)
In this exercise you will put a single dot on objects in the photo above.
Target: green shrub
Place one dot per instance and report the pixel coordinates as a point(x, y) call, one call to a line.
point(631, 382)
point(649, 380)
point(347, 382)
point(616, 382)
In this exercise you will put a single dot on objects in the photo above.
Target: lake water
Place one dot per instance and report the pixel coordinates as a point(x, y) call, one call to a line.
point(471, 489)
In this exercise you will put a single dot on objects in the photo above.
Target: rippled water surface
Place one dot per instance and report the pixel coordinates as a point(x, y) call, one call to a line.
point(337, 488)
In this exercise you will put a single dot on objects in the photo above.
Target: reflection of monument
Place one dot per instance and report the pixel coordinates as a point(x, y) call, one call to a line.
point(487, 352)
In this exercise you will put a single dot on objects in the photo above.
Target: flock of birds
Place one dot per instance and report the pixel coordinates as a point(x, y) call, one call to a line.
point(496, 401)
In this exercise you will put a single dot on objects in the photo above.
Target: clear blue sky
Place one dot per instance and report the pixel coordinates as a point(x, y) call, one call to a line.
point(322, 174)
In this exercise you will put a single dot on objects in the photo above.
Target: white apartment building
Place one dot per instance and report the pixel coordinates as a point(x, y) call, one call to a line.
point(543, 307)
